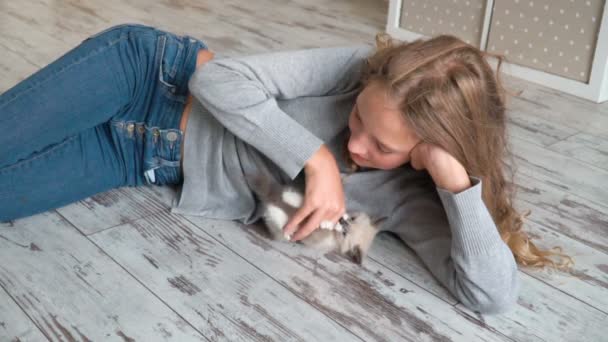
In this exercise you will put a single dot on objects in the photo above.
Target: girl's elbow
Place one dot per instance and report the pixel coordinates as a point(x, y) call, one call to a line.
point(497, 300)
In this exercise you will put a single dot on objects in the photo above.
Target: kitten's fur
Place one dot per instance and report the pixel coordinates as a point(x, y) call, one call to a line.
point(280, 203)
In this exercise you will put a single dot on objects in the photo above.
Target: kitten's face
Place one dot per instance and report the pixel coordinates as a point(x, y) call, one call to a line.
point(281, 203)
point(359, 237)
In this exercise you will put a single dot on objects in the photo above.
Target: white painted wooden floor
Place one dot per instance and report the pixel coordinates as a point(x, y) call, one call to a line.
point(119, 267)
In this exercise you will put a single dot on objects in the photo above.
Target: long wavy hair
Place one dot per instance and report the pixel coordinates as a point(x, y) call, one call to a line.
point(451, 97)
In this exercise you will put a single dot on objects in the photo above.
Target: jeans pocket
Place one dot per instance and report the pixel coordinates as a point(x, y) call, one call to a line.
point(170, 51)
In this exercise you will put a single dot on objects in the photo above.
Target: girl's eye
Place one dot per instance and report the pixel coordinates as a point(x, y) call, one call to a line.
point(382, 150)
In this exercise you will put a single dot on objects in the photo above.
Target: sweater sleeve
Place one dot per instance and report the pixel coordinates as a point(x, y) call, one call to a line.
point(242, 93)
point(457, 239)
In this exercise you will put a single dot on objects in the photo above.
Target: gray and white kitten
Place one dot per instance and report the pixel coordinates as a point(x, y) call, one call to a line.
point(351, 237)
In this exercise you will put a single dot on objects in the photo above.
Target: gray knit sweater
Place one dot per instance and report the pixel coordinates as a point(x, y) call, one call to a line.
point(270, 112)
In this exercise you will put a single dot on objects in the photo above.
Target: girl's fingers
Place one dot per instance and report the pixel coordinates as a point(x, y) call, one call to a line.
point(300, 215)
point(337, 217)
point(311, 224)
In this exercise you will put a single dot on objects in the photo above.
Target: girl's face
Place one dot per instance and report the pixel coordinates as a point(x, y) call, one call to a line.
point(379, 135)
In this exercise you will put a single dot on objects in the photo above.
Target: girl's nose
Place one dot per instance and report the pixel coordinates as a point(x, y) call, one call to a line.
point(356, 145)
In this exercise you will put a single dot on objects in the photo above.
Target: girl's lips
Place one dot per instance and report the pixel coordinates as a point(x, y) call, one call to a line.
point(356, 157)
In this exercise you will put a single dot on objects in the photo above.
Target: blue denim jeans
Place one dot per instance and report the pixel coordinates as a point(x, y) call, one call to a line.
point(104, 115)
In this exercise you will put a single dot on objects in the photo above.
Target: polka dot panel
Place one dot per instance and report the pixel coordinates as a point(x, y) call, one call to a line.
point(461, 18)
point(556, 36)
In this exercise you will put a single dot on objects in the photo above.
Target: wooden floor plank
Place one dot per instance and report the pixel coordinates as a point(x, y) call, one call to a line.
point(372, 301)
point(554, 208)
point(588, 278)
point(526, 125)
point(544, 313)
point(118, 206)
point(588, 148)
point(14, 323)
point(72, 290)
point(41, 47)
point(561, 108)
point(13, 68)
point(212, 287)
point(571, 175)
point(393, 254)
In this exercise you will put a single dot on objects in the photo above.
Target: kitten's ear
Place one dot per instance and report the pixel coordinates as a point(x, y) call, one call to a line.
point(352, 216)
point(379, 221)
point(355, 255)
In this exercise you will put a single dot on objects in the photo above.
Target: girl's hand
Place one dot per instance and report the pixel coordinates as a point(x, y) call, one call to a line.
point(324, 196)
point(447, 172)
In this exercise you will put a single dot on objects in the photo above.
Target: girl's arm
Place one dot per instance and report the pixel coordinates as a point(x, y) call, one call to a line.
point(456, 238)
point(241, 93)
point(455, 235)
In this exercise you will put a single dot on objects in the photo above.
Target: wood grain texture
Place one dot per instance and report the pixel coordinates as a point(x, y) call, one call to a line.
point(14, 323)
point(391, 252)
point(555, 208)
point(352, 295)
point(117, 206)
point(544, 313)
point(588, 148)
point(557, 170)
point(587, 280)
point(72, 290)
point(560, 108)
point(211, 286)
point(524, 124)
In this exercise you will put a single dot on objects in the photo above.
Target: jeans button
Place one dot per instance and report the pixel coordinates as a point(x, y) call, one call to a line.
point(171, 136)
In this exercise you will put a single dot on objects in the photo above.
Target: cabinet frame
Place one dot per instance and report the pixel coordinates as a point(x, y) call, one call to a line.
point(595, 90)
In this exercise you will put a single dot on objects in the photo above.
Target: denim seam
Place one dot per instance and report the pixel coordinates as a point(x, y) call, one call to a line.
point(82, 59)
point(159, 60)
point(24, 162)
point(178, 57)
point(122, 82)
